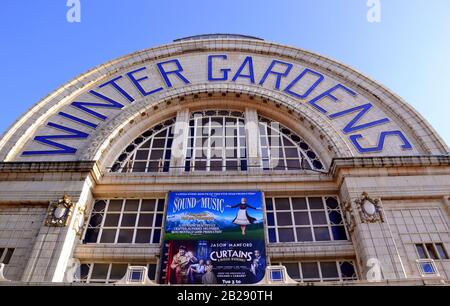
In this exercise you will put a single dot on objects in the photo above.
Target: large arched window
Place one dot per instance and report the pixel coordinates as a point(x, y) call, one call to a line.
point(217, 141)
point(282, 149)
point(150, 152)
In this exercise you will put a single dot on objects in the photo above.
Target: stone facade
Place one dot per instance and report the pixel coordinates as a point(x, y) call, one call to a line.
point(393, 199)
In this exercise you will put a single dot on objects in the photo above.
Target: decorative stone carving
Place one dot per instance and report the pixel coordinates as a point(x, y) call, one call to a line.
point(370, 210)
point(349, 217)
point(59, 212)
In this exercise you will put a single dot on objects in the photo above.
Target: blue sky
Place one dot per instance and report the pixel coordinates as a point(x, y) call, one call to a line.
point(408, 51)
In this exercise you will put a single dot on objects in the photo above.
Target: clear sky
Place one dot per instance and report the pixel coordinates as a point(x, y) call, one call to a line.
point(408, 51)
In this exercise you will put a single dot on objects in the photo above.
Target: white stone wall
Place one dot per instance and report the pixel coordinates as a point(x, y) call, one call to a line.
point(19, 225)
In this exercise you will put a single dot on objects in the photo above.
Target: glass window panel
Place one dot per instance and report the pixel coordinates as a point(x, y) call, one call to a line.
point(421, 251)
point(291, 152)
point(304, 234)
point(145, 220)
point(108, 236)
point(232, 165)
point(128, 220)
point(131, 205)
point(160, 205)
point(159, 143)
point(348, 270)
point(284, 218)
point(84, 271)
point(301, 218)
point(282, 204)
point(200, 165)
point(293, 269)
point(125, 236)
point(270, 219)
point(157, 154)
point(142, 154)
point(318, 217)
point(112, 220)
point(293, 164)
point(143, 235)
point(269, 204)
point(139, 166)
point(322, 234)
point(100, 271)
point(310, 270)
point(216, 165)
point(286, 234)
point(91, 235)
point(99, 206)
point(118, 271)
point(156, 236)
point(115, 205)
point(441, 250)
point(315, 203)
point(96, 220)
point(158, 220)
point(148, 205)
point(329, 270)
point(431, 251)
point(153, 166)
point(272, 235)
point(339, 233)
point(152, 271)
point(299, 203)
point(335, 217)
point(332, 203)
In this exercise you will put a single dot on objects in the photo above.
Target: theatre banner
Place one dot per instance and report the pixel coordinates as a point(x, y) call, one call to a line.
point(214, 238)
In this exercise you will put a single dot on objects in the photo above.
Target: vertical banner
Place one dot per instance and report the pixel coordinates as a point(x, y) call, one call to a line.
point(213, 238)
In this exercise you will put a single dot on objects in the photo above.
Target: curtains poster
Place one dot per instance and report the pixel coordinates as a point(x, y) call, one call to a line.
point(213, 238)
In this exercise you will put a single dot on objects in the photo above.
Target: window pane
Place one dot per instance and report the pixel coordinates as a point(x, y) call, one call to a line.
point(125, 236)
point(293, 270)
point(91, 235)
point(421, 251)
point(118, 271)
point(321, 234)
point(335, 217)
point(348, 270)
point(299, 203)
point(286, 234)
point(304, 234)
point(158, 220)
point(282, 204)
point(329, 270)
point(318, 217)
point(99, 206)
point(441, 250)
point(310, 270)
point(315, 203)
point(269, 204)
point(115, 205)
point(131, 205)
point(108, 236)
point(284, 218)
point(128, 220)
point(270, 219)
point(339, 233)
point(8, 255)
point(143, 236)
point(332, 203)
point(148, 205)
point(272, 235)
point(301, 218)
point(160, 205)
point(152, 271)
point(145, 220)
point(156, 236)
point(100, 271)
point(112, 220)
point(431, 251)
point(96, 220)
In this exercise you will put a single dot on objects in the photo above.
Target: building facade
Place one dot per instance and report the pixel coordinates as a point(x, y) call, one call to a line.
point(355, 183)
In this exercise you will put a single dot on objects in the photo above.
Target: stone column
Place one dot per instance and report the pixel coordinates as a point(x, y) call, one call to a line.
point(252, 129)
point(54, 245)
point(377, 255)
point(180, 141)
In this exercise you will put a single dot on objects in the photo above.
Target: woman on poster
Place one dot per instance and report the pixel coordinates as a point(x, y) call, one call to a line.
point(243, 218)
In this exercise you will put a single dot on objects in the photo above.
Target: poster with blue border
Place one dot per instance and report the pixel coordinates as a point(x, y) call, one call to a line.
point(214, 238)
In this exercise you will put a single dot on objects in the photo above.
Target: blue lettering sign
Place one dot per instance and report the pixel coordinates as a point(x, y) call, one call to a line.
point(328, 94)
point(379, 147)
point(137, 83)
point(278, 75)
point(177, 72)
point(224, 76)
point(320, 78)
point(84, 105)
point(251, 75)
point(351, 127)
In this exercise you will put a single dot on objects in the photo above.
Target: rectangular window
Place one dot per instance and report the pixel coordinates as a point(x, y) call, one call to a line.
point(107, 273)
point(126, 221)
point(301, 219)
point(5, 255)
point(320, 271)
point(434, 251)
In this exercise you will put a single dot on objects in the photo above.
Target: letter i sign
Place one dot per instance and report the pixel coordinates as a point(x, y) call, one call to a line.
point(74, 12)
